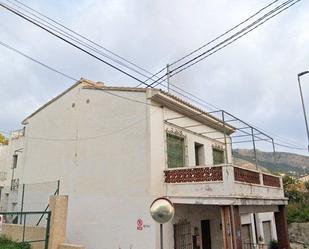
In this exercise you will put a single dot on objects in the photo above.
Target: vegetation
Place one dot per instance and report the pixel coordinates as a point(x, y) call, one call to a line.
point(298, 194)
point(3, 140)
point(287, 163)
point(274, 244)
point(5, 243)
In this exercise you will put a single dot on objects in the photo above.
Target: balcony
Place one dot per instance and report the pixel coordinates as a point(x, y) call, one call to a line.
point(223, 184)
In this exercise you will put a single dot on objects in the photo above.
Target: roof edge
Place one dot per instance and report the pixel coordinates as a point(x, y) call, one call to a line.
point(81, 81)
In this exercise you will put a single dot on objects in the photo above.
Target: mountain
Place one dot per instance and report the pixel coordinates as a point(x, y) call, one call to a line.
point(293, 164)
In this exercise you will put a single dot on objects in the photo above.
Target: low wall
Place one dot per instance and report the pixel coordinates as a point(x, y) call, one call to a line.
point(299, 233)
point(15, 232)
point(70, 246)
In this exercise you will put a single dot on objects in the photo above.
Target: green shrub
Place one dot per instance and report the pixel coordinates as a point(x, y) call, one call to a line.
point(297, 212)
point(5, 243)
point(274, 244)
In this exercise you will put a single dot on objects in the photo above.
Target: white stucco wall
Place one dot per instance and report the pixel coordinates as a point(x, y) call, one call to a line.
point(109, 155)
point(3, 164)
point(97, 145)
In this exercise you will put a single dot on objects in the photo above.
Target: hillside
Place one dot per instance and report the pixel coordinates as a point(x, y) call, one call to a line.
point(294, 164)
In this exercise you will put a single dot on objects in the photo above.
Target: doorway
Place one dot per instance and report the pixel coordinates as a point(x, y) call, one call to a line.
point(206, 238)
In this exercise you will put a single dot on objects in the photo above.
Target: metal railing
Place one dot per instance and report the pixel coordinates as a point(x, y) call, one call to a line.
point(24, 218)
point(47, 207)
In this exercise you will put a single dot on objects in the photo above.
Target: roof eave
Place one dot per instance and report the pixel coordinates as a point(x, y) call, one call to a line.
point(191, 111)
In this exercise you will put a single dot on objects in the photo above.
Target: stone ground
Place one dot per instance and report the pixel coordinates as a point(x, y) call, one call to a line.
point(299, 235)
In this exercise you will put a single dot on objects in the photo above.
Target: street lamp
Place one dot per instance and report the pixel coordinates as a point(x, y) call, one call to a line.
point(303, 104)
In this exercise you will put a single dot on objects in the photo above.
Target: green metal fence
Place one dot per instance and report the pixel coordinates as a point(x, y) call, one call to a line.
point(24, 219)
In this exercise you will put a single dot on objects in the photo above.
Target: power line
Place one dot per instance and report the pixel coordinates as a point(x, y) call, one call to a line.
point(70, 43)
point(37, 61)
point(78, 34)
point(225, 33)
point(175, 86)
point(226, 42)
point(66, 34)
point(68, 76)
point(195, 61)
point(49, 139)
point(218, 37)
point(79, 41)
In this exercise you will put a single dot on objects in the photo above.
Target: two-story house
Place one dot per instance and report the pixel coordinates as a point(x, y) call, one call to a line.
point(116, 149)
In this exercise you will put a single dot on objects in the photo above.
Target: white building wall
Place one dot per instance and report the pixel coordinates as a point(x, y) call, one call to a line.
point(3, 164)
point(109, 155)
point(97, 145)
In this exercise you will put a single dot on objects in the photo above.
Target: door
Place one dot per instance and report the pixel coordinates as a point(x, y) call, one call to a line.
point(182, 235)
point(206, 238)
point(267, 232)
point(246, 236)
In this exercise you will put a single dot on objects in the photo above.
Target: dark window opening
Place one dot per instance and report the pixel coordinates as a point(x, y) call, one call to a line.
point(199, 154)
point(15, 157)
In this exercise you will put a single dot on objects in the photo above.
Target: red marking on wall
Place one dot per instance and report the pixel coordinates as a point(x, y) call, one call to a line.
point(139, 224)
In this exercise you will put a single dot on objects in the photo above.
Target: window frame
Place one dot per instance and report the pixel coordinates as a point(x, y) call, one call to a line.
point(199, 153)
point(222, 161)
point(181, 137)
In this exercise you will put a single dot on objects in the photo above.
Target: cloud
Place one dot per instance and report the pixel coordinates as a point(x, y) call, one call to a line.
point(255, 78)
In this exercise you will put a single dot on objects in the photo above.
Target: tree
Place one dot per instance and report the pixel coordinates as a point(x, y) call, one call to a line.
point(3, 140)
point(292, 189)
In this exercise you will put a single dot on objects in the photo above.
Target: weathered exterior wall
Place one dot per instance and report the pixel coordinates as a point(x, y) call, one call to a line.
point(9, 199)
point(15, 232)
point(109, 155)
point(96, 144)
point(194, 214)
point(3, 164)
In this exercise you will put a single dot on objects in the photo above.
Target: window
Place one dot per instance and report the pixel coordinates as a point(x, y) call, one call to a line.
point(175, 151)
point(218, 156)
point(199, 154)
point(15, 157)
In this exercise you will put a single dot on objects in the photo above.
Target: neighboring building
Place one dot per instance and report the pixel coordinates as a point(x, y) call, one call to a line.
point(116, 149)
point(3, 163)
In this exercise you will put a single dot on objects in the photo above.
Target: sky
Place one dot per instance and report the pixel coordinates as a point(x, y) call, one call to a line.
point(255, 78)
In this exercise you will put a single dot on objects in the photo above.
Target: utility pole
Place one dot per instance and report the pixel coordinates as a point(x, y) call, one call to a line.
point(303, 104)
point(168, 77)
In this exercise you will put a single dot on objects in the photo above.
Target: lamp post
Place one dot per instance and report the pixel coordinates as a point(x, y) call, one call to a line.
point(303, 104)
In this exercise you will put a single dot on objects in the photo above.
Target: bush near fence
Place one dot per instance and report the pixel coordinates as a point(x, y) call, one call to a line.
point(5, 243)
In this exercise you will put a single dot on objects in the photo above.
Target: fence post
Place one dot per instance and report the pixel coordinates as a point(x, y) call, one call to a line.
point(24, 227)
point(47, 230)
point(22, 204)
point(58, 207)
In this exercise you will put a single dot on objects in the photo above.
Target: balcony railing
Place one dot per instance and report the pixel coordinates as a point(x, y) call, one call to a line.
point(222, 181)
point(197, 174)
point(215, 173)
